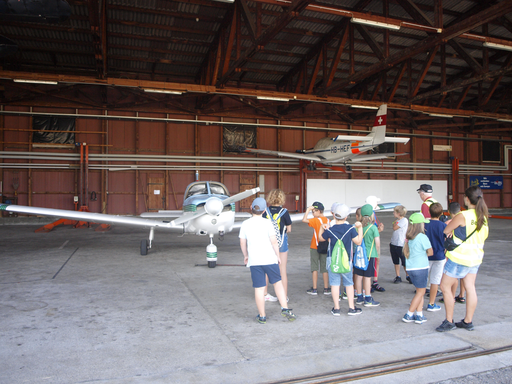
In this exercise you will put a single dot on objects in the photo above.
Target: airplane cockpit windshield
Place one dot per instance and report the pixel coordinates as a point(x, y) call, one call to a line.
point(202, 189)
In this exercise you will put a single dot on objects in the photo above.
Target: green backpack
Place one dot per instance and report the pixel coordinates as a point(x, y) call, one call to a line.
point(340, 262)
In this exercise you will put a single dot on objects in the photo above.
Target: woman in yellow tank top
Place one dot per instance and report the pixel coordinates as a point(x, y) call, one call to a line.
point(469, 229)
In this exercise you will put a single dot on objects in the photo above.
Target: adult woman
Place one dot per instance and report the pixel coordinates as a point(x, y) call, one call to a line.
point(469, 229)
point(275, 201)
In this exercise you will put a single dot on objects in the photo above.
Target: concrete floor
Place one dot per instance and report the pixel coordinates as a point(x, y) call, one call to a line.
point(82, 306)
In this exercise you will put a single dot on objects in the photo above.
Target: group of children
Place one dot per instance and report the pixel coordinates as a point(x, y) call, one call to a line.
point(417, 243)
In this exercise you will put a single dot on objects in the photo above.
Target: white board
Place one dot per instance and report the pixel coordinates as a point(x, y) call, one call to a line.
point(354, 192)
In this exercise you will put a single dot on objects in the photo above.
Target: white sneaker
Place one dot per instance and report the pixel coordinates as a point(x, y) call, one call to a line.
point(269, 297)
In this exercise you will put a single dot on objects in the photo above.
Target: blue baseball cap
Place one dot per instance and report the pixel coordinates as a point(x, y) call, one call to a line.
point(259, 204)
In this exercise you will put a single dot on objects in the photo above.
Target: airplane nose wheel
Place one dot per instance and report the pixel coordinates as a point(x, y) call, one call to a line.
point(211, 253)
point(143, 247)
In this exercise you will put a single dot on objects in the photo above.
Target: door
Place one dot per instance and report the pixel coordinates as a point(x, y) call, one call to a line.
point(156, 193)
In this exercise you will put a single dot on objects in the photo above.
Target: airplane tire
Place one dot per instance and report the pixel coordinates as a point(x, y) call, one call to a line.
point(212, 264)
point(143, 247)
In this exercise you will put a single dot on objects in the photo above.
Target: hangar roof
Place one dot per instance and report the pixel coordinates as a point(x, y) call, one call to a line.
point(450, 57)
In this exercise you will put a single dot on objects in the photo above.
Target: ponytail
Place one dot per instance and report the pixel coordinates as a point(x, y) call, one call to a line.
point(475, 197)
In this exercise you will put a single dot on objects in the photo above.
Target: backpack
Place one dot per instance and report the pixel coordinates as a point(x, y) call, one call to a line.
point(275, 219)
point(361, 260)
point(321, 246)
point(340, 262)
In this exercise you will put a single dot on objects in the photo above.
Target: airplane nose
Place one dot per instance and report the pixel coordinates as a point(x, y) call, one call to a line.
point(213, 206)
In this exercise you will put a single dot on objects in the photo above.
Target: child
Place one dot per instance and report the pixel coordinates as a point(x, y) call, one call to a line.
point(417, 248)
point(276, 199)
point(261, 253)
point(318, 260)
point(434, 231)
point(396, 245)
point(349, 235)
point(373, 201)
point(363, 279)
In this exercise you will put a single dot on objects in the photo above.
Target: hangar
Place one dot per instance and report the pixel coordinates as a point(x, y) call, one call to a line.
point(158, 93)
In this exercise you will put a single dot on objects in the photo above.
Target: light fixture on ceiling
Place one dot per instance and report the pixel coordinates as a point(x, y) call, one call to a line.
point(163, 91)
point(374, 23)
point(35, 81)
point(506, 120)
point(272, 98)
point(364, 106)
point(225, 1)
point(498, 46)
point(440, 115)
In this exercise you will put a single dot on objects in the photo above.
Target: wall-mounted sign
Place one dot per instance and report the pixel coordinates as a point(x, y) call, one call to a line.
point(442, 147)
point(487, 182)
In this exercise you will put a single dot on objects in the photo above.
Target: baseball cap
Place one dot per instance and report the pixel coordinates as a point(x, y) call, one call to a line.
point(417, 218)
point(425, 188)
point(341, 211)
point(260, 203)
point(373, 201)
point(366, 210)
point(333, 206)
point(318, 205)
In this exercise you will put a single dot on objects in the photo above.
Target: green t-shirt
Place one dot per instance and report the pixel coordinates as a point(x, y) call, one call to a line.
point(369, 236)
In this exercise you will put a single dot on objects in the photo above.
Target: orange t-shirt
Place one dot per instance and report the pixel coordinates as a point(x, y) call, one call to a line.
point(315, 224)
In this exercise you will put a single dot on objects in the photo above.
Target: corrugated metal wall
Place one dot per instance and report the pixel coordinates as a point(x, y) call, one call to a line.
point(124, 191)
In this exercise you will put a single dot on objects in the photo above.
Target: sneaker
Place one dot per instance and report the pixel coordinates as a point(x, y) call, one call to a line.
point(287, 312)
point(269, 297)
point(420, 319)
point(354, 311)
point(312, 291)
point(344, 296)
point(397, 280)
point(463, 324)
point(408, 278)
point(261, 319)
point(335, 312)
point(445, 326)
point(433, 307)
point(377, 287)
point(408, 319)
point(360, 299)
point(327, 291)
point(369, 302)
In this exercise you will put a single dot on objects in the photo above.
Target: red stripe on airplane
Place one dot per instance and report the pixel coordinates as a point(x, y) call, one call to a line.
point(355, 144)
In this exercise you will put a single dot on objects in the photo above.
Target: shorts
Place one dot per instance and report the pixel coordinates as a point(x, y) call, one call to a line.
point(258, 273)
point(335, 278)
point(370, 271)
point(436, 271)
point(318, 261)
point(397, 254)
point(458, 271)
point(284, 245)
point(419, 277)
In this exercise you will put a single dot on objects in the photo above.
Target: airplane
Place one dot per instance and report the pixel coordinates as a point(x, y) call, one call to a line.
point(207, 210)
point(343, 149)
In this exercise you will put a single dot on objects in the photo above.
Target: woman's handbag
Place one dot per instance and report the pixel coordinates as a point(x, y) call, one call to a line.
point(450, 245)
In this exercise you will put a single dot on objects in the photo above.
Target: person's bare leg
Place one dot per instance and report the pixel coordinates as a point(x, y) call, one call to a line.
point(335, 292)
point(417, 300)
point(471, 296)
point(315, 279)
point(282, 269)
point(358, 284)
point(281, 296)
point(433, 293)
point(350, 296)
point(259, 296)
point(447, 284)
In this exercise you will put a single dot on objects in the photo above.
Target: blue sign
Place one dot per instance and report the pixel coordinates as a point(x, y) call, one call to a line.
point(487, 182)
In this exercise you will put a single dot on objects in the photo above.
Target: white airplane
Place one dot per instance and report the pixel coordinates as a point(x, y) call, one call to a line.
point(207, 210)
point(344, 149)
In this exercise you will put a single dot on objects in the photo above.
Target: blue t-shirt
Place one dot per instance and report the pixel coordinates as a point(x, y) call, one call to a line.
point(418, 258)
point(434, 231)
point(339, 230)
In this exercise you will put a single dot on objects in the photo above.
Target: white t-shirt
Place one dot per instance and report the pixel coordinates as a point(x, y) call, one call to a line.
point(257, 231)
point(398, 236)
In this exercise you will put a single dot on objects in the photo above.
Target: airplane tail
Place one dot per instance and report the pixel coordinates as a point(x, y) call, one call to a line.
point(379, 125)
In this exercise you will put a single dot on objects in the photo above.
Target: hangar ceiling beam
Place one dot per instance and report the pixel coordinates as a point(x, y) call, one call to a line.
point(449, 33)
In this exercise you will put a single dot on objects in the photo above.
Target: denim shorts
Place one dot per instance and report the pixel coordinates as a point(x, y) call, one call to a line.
point(458, 271)
point(284, 245)
point(335, 278)
point(258, 273)
point(419, 277)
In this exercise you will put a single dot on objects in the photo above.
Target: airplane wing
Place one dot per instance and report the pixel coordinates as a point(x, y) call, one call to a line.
point(85, 216)
point(385, 207)
point(162, 214)
point(292, 155)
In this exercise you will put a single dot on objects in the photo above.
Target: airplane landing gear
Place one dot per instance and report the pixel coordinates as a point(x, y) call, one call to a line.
point(211, 253)
point(145, 245)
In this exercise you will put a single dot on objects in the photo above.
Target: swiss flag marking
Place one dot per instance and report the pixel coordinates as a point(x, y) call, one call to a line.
point(380, 120)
